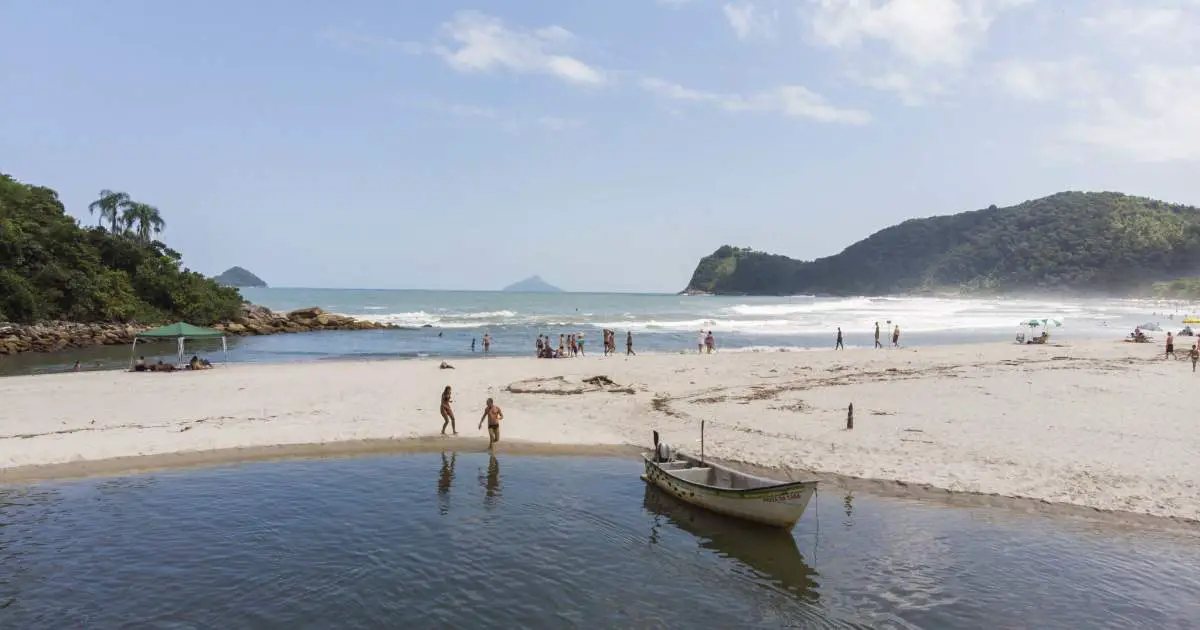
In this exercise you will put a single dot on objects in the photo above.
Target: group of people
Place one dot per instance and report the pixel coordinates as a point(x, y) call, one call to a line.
point(196, 363)
point(568, 346)
point(706, 342)
point(491, 413)
point(610, 343)
point(840, 345)
point(1193, 354)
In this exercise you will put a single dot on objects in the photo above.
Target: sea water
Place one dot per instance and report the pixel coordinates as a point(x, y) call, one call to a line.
point(445, 323)
point(464, 540)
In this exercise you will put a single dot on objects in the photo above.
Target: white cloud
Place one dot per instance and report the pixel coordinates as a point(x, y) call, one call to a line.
point(481, 43)
point(749, 21)
point(1070, 79)
point(1154, 121)
point(788, 100)
point(1130, 87)
point(911, 47)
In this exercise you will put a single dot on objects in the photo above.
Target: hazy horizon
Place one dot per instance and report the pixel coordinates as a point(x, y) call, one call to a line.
point(607, 146)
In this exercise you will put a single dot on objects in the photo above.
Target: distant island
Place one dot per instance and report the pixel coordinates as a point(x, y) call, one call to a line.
point(239, 277)
point(1070, 242)
point(532, 284)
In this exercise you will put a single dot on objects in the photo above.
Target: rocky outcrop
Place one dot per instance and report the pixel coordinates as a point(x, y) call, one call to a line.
point(254, 320)
point(259, 320)
point(53, 336)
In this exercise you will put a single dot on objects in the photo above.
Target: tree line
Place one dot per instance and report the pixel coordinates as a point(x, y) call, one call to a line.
point(53, 268)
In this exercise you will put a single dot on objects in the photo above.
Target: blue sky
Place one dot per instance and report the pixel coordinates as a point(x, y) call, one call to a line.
point(604, 145)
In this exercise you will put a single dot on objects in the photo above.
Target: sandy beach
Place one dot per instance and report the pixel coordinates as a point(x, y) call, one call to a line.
point(1094, 424)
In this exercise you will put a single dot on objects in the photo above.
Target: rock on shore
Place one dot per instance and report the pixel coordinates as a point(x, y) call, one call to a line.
point(254, 320)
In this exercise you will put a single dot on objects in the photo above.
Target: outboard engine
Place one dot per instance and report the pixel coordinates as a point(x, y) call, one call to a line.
point(662, 450)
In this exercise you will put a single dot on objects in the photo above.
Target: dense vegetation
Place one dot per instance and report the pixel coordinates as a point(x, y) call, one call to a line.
point(1177, 289)
point(239, 277)
point(1068, 242)
point(52, 268)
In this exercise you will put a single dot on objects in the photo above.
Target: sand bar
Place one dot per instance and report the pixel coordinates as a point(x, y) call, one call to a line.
point(1095, 424)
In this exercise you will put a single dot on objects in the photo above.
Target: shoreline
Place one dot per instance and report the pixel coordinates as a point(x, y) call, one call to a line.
point(1095, 425)
point(830, 482)
point(51, 337)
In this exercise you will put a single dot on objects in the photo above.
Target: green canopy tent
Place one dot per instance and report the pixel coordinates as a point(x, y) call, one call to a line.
point(179, 331)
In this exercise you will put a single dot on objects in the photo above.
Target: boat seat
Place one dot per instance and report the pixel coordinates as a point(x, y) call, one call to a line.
point(695, 475)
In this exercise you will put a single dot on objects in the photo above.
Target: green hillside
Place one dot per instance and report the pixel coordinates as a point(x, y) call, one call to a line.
point(1071, 241)
point(51, 268)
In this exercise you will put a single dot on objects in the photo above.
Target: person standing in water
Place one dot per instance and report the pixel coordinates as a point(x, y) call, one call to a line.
point(877, 344)
point(472, 344)
point(896, 337)
point(579, 340)
point(487, 343)
point(447, 412)
point(701, 341)
point(838, 345)
point(629, 344)
point(493, 415)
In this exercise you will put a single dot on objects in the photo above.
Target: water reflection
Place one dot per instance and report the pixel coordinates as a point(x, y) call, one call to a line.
point(445, 479)
point(491, 483)
point(770, 552)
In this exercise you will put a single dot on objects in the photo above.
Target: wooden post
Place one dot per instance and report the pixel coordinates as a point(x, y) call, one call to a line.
point(850, 418)
point(701, 441)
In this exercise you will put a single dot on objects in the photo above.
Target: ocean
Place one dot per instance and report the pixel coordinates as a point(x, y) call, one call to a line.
point(465, 540)
point(446, 322)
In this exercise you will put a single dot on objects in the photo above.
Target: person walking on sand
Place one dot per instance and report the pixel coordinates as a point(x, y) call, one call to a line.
point(487, 343)
point(1170, 347)
point(839, 345)
point(877, 344)
point(493, 415)
point(896, 337)
point(1194, 354)
point(447, 412)
point(629, 344)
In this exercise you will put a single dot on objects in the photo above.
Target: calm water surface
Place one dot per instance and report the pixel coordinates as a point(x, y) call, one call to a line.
point(470, 541)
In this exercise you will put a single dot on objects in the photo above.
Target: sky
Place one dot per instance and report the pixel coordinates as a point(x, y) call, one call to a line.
point(604, 145)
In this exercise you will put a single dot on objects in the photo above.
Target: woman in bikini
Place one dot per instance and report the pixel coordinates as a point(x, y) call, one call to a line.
point(447, 412)
point(493, 415)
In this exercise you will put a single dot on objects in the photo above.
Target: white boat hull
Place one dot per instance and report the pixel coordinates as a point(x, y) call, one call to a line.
point(716, 488)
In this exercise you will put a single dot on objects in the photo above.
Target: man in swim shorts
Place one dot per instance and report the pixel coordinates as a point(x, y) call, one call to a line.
point(493, 415)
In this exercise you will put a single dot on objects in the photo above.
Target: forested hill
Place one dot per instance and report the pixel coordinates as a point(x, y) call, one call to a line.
point(51, 268)
point(1071, 241)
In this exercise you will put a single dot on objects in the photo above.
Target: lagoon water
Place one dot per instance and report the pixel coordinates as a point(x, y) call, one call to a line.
point(469, 541)
point(444, 323)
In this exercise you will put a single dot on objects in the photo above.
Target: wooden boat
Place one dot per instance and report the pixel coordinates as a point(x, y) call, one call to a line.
point(727, 491)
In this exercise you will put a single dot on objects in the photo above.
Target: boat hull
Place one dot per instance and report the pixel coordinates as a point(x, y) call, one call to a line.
point(778, 505)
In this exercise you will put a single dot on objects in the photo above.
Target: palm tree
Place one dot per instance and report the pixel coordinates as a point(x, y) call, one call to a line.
point(109, 205)
point(143, 219)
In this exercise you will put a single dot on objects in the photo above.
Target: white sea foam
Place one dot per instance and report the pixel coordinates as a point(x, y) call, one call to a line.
point(786, 316)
